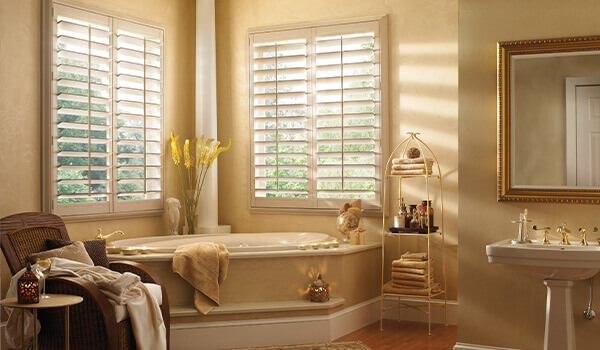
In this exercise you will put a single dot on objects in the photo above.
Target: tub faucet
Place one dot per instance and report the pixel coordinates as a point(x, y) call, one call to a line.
point(523, 237)
point(563, 231)
point(102, 237)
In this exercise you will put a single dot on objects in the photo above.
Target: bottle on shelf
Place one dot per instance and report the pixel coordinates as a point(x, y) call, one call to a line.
point(414, 222)
point(429, 211)
point(409, 216)
point(402, 214)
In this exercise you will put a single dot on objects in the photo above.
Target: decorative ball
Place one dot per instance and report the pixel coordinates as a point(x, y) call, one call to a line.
point(413, 152)
point(346, 222)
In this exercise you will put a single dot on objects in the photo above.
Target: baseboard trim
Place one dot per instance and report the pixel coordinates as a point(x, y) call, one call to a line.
point(467, 346)
point(275, 331)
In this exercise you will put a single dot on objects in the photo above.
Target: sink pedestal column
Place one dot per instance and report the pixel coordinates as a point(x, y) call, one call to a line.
point(560, 327)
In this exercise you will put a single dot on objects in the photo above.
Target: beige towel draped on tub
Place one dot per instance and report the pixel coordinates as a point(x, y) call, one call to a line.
point(204, 266)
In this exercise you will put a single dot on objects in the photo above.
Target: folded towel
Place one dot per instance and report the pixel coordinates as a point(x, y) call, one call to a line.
point(389, 288)
point(412, 167)
point(409, 276)
point(413, 256)
point(204, 266)
point(410, 270)
point(412, 172)
point(408, 286)
point(411, 283)
point(419, 160)
point(412, 264)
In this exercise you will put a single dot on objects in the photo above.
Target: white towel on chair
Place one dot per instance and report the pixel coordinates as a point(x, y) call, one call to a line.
point(122, 289)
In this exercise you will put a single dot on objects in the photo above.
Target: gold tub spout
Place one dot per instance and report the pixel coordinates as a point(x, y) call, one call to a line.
point(102, 237)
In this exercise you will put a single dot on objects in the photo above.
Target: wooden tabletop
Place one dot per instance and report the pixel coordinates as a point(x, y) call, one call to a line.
point(54, 300)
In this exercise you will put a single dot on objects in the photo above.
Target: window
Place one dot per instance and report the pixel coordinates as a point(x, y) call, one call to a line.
point(316, 114)
point(105, 108)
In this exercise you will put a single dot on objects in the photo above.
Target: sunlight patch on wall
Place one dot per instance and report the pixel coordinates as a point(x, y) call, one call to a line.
point(436, 49)
point(436, 106)
point(430, 75)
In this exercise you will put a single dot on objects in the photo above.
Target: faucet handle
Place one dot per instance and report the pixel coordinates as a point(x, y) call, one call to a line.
point(583, 237)
point(545, 229)
point(563, 230)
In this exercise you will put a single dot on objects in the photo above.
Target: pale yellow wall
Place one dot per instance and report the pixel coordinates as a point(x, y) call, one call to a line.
point(499, 306)
point(540, 118)
point(423, 97)
point(20, 126)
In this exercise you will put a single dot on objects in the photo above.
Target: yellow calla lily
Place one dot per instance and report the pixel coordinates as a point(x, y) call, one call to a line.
point(175, 149)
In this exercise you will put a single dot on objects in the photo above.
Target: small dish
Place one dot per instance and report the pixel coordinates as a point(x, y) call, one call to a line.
point(315, 246)
point(113, 250)
point(130, 251)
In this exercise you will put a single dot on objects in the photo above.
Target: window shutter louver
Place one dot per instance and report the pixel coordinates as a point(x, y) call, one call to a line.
point(315, 98)
point(138, 113)
point(347, 115)
point(281, 114)
point(107, 119)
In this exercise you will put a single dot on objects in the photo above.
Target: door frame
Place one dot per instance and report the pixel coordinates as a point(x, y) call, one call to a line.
point(571, 83)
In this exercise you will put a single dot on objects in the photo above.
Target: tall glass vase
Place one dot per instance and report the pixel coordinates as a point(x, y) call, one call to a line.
point(191, 217)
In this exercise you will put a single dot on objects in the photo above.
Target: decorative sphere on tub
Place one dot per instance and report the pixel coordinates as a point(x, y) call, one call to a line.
point(174, 206)
point(349, 218)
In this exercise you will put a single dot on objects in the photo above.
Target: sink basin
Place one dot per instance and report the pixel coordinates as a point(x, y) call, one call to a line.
point(559, 266)
point(548, 261)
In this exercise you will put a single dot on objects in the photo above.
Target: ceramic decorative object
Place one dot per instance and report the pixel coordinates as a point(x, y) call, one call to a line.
point(174, 205)
point(349, 220)
point(319, 290)
point(28, 288)
point(198, 157)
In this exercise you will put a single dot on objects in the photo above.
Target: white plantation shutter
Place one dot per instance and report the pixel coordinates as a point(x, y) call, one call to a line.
point(104, 160)
point(138, 114)
point(280, 114)
point(316, 116)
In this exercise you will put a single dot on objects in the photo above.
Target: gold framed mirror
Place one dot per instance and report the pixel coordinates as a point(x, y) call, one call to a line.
point(549, 120)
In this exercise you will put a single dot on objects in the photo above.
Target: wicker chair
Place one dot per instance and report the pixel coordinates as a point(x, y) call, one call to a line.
point(93, 323)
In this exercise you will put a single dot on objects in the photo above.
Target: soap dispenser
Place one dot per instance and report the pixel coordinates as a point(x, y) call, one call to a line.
point(523, 236)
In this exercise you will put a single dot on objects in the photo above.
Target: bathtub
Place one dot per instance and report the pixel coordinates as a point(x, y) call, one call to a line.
point(238, 242)
point(267, 283)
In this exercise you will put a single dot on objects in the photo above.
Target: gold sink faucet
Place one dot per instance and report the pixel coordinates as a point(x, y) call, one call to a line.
point(102, 237)
point(564, 231)
point(545, 229)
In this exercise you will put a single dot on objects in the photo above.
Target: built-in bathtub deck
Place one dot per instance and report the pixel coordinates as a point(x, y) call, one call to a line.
point(266, 293)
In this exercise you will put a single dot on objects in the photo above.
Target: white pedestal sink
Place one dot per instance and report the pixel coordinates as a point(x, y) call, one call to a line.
point(559, 266)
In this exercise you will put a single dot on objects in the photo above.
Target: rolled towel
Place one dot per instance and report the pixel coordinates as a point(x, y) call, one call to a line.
point(412, 172)
point(419, 160)
point(410, 270)
point(412, 264)
point(389, 288)
point(413, 256)
point(409, 276)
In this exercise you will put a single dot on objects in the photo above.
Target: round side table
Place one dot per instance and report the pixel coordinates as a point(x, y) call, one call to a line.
point(54, 300)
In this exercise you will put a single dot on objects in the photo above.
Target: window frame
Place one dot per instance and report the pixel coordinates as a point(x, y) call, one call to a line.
point(92, 210)
point(286, 205)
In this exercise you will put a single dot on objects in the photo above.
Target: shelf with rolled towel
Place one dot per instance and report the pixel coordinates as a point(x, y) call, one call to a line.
point(410, 284)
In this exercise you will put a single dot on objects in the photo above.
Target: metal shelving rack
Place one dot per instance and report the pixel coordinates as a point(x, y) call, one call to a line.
point(404, 299)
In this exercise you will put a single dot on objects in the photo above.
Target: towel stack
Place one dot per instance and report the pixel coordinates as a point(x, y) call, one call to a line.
point(411, 274)
point(412, 166)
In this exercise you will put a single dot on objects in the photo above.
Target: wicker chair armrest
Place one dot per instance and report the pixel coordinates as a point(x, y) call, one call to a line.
point(92, 321)
point(147, 276)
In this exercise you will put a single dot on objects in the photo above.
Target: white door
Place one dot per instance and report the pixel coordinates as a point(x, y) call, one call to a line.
point(588, 135)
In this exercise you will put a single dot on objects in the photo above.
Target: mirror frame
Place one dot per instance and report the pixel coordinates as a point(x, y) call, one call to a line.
point(506, 50)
